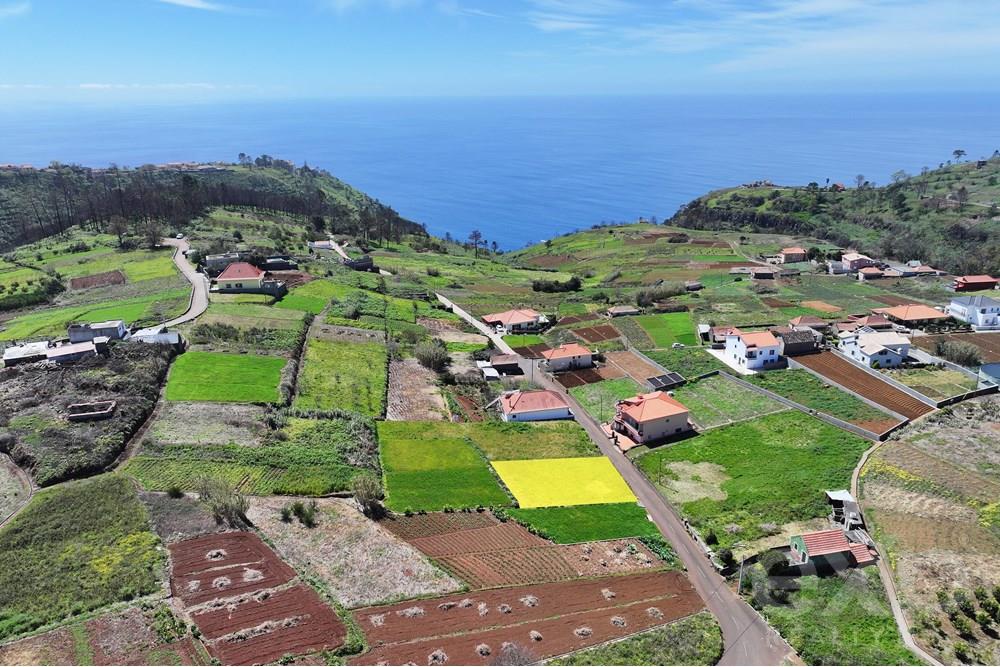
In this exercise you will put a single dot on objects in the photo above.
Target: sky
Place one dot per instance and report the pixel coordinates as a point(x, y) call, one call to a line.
point(147, 51)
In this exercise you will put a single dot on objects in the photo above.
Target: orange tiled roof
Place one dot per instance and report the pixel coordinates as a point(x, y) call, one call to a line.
point(825, 542)
point(509, 317)
point(566, 350)
point(531, 401)
point(649, 407)
point(759, 339)
point(240, 271)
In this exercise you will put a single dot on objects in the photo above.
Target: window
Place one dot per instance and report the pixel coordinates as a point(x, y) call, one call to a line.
point(677, 430)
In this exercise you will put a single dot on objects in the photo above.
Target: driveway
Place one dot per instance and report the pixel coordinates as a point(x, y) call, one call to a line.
point(498, 341)
point(747, 637)
point(199, 283)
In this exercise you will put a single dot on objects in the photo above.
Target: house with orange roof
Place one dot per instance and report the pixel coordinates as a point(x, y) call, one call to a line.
point(753, 351)
point(912, 314)
point(793, 254)
point(533, 406)
point(975, 283)
point(651, 417)
point(873, 273)
point(568, 356)
point(518, 320)
point(830, 547)
point(811, 321)
point(245, 278)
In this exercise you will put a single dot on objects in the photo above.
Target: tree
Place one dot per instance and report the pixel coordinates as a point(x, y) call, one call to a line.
point(118, 227)
point(958, 154)
point(962, 196)
point(899, 176)
point(475, 238)
point(859, 181)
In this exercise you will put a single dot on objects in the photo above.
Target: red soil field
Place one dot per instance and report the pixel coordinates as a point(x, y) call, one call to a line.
point(224, 565)
point(633, 365)
point(549, 619)
point(988, 343)
point(115, 277)
point(549, 261)
point(597, 334)
point(292, 279)
point(531, 351)
point(497, 537)
point(822, 306)
point(846, 374)
point(771, 302)
point(435, 523)
point(512, 567)
point(589, 376)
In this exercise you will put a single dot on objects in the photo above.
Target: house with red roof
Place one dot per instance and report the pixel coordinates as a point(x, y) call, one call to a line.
point(518, 320)
point(975, 283)
point(873, 273)
point(912, 314)
point(245, 278)
point(829, 547)
point(793, 254)
point(753, 351)
point(533, 406)
point(568, 356)
point(651, 417)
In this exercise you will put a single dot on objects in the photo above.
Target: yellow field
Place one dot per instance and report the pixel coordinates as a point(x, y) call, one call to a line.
point(557, 482)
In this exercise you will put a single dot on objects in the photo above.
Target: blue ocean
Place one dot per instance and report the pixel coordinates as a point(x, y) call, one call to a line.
point(525, 169)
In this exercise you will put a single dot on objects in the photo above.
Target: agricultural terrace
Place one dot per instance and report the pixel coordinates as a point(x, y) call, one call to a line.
point(52, 322)
point(930, 499)
point(689, 362)
point(843, 619)
point(312, 297)
point(558, 482)
point(343, 375)
point(716, 401)
point(308, 457)
point(241, 327)
point(515, 440)
point(225, 378)
point(744, 481)
point(426, 469)
point(108, 556)
point(180, 423)
point(988, 343)
point(137, 265)
point(587, 523)
point(248, 315)
point(669, 328)
point(934, 382)
point(805, 388)
point(599, 398)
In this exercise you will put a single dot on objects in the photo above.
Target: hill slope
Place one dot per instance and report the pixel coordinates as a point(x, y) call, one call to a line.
point(947, 217)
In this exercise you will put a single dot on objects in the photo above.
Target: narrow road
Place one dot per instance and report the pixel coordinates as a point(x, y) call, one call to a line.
point(748, 639)
point(199, 283)
point(498, 341)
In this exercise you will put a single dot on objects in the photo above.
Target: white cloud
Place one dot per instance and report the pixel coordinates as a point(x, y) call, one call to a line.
point(14, 9)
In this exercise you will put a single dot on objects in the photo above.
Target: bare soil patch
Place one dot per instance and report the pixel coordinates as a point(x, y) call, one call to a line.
point(349, 553)
point(129, 638)
point(597, 334)
point(822, 306)
point(631, 364)
point(589, 376)
point(576, 319)
point(115, 277)
point(988, 343)
point(292, 279)
point(685, 482)
point(510, 567)
point(776, 303)
point(51, 648)
point(944, 473)
point(435, 523)
point(181, 423)
point(336, 332)
point(496, 537)
point(890, 300)
point(599, 559)
point(531, 351)
point(176, 519)
point(413, 393)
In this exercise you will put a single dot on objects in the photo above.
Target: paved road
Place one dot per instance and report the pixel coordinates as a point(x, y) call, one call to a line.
point(748, 639)
point(498, 341)
point(199, 283)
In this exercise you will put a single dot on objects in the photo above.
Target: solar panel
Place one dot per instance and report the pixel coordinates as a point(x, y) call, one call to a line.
point(667, 381)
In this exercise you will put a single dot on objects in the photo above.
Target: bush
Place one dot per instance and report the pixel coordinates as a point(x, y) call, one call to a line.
point(368, 494)
point(647, 296)
point(773, 561)
point(305, 512)
point(571, 285)
point(225, 503)
point(175, 491)
point(432, 354)
point(959, 352)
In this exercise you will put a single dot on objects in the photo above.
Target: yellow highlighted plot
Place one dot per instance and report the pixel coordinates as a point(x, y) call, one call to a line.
point(555, 482)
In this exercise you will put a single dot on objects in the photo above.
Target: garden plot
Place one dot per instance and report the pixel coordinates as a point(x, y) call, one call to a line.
point(570, 379)
point(632, 365)
point(933, 382)
point(689, 362)
point(343, 535)
point(717, 401)
point(668, 328)
point(988, 343)
point(568, 481)
point(413, 393)
point(225, 378)
point(341, 375)
point(599, 398)
point(545, 620)
point(744, 481)
point(597, 334)
point(435, 523)
point(585, 523)
point(823, 306)
point(182, 423)
point(176, 519)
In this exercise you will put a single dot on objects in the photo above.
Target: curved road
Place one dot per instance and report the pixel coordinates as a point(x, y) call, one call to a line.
point(199, 283)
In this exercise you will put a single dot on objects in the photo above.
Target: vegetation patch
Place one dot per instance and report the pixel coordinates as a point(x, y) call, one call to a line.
point(669, 328)
point(587, 523)
point(75, 549)
point(805, 388)
point(599, 398)
point(342, 375)
point(225, 378)
point(559, 482)
point(689, 362)
point(717, 401)
point(514, 440)
point(934, 382)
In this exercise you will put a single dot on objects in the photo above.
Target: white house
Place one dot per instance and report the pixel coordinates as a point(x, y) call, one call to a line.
point(875, 349)
point(854, 261)
point(533, 406)
point(982, 312)
point(240, 276)
point(791, 255)
point(112, 329)
point(753, 351)
point(568, 356)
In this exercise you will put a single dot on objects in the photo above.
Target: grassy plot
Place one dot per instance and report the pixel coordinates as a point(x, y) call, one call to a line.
point(53, 321)
point(805, 388)
point(510, 440)
point(716, 401)
point(434, 473)
point(933, 382)
point(523, 340)
point(137, 265)
point(314, 457)
point(225, 378)
point(669, 328)
point(586, 523)
point(733, 481)
point(558, 482)
point(341, 375)
point(689, 362)
point(74, 549)
point(599, 398)
point(245, 315)
point(312, 297)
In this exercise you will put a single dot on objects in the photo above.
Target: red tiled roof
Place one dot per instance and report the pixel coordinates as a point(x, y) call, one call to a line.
point(793, 251)
point(654, 405)
point(912, 312)
point(862, 554)
point(531, 401)
point(976, 279)
point(825, 542)
point(759, 339)
point(807, 321)
point(509, 317)
point(566, 350)
point(870, 270)
point(240, 271)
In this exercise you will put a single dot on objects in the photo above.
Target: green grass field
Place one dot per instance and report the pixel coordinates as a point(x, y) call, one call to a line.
point(587, 523)
point(76, 548)
point(935, 383)
point(510, 440)
point(224, 378)
point(669, 328)
point(247, 315)
point(137, 265)
point(599, 398)
point(312, 297)
point(561, 482)
point(434, 473)
point(341, 375)
point(318, 457)
point(523, 340)
point(53, 321)
point(715, 401)
point(689, 362)
point(805, 388)
point(769, 470)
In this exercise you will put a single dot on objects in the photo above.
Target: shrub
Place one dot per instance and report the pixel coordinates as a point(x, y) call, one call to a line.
point(175, 491)
point(647, 296)
point(571, 285)
point(433, 354)
point(773, 561)
point(368, 494)
point(305, 512)
point(959, 352)
point(226, 504)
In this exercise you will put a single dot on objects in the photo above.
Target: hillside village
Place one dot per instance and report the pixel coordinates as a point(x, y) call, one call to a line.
point(271, 436)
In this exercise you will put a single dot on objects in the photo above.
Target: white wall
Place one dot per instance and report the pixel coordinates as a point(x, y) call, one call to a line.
point(538, 416)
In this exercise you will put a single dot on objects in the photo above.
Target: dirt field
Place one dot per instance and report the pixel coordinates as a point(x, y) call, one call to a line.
point(988, 343)
point(292, 279)
point(822, 306)
point(548, 620)
point(531, 351)
point(435, 523)
point(576, 319)
point(176, 519)
point(597, 334)
point(98, 280)
point(180, 423)
point(343, 535)
point(632, 365)
point(846, 374)
point(892, 300)
point(589, 376)
point(772, 302)
point(498, 537)
point(413, 393)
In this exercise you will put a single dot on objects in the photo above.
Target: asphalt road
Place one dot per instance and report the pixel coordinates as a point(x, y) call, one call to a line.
point(199, 283)
point(748, 639)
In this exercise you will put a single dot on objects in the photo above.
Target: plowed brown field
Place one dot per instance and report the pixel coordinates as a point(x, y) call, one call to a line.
point(988, 343)
point(512, 567)
point(846, 374)
point(531, 351)
point(498, 537)
point(436, 523)
point(584, 376)
point(633, 365)
point(597, 334)
point(98, 280)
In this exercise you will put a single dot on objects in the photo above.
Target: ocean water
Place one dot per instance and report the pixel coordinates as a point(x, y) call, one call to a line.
point(524, 169)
